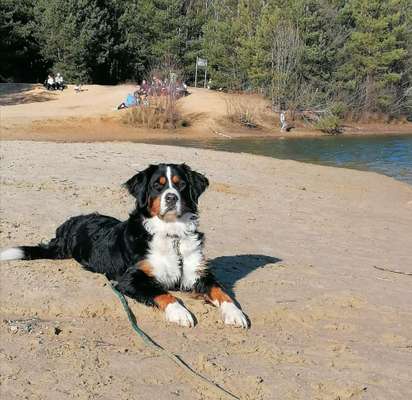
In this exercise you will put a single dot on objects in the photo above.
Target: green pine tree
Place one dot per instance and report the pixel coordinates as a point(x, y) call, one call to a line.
point(374, 55)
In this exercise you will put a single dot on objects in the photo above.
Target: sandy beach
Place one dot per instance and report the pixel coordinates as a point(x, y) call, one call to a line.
point(319, 258)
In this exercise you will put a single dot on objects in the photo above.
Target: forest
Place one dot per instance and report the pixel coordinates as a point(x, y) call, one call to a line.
point(350, 57)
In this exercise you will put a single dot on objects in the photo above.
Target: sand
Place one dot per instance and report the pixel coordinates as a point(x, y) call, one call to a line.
point(299, 245)
point(30, 112)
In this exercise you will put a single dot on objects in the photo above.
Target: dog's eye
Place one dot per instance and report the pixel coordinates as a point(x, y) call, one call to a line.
point(182, 184)
point(157, 186)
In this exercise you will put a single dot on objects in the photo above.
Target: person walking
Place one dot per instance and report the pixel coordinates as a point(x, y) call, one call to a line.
point(283, 123)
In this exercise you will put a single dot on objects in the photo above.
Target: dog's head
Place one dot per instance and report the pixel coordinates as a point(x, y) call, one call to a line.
point(167, 191)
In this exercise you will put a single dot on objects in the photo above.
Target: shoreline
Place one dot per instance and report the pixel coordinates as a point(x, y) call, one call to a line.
point(222, 143)
point(108, 128)
point(175, 143)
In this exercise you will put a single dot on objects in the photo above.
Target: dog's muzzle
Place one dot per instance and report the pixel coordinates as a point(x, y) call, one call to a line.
point(171, 200)
point(170, 203)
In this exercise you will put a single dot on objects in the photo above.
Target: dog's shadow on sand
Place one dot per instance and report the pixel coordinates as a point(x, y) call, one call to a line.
point(230, 269)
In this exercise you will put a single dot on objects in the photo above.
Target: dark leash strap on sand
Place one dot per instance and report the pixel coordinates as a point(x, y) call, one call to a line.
point(218, 390)
point(392, 270)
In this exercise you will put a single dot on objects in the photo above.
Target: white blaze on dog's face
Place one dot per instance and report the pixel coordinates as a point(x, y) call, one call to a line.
point(167, 191)
point(170, 198)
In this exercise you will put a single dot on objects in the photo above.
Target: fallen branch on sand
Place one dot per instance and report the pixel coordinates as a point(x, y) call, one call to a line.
point(221, 134)
point(392, 270)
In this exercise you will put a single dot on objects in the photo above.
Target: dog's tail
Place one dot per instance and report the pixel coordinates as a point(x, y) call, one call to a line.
point(48, 251)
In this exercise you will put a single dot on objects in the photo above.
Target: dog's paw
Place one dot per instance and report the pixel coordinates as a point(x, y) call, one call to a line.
point(178, 314)
point(233, 315)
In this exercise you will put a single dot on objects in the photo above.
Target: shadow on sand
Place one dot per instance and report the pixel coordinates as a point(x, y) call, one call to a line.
point(22, 93)
point(230, 269)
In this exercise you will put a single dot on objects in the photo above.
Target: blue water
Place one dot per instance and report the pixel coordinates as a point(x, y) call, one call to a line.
point(388, 155)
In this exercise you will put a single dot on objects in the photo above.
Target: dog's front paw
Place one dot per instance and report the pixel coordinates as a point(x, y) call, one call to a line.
point(178, 314)
point(233, 315)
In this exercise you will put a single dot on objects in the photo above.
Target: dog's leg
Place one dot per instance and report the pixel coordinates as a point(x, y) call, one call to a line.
point(139, 284)
point(231, 314)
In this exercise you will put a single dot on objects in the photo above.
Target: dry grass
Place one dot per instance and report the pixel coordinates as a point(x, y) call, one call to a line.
point(162, 113)
point(242, 108)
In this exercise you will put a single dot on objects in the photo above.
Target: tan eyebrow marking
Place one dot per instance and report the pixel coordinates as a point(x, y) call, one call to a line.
point(176, 179)
point(162, 180)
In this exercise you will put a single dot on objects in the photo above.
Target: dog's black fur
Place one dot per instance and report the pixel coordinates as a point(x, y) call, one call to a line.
point(108, 246)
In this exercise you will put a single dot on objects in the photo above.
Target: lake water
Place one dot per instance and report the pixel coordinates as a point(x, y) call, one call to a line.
point(388, 155)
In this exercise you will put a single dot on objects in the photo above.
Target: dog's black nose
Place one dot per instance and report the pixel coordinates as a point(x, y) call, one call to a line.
point(171, 199)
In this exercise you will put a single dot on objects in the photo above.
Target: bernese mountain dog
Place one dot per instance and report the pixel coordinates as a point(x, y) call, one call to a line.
point(158, 248)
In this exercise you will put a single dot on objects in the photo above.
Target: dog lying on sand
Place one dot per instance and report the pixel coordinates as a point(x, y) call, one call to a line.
point(158, 248)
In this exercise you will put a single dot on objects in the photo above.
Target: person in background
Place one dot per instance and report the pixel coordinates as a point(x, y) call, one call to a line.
point(283, 123)
point(59, 81)
point(50, 84)
point(129, 102)
point(185, 91)
point(145, 86)
point(145, 100)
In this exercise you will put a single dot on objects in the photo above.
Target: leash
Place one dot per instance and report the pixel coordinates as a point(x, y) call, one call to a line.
point(218, 390)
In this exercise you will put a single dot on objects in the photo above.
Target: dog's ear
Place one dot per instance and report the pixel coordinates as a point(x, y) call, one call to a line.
point(198, 183)
point(137, 185)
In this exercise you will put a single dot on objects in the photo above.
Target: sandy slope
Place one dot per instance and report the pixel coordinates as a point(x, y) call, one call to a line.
point(23, 104)
point(31, 112)
point(35, 103)
point(297, 244)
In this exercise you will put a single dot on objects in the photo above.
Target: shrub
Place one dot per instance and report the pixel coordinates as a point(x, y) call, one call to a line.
point(338, 109)
point(330, 124)
point(163, 88)
point(160, 114)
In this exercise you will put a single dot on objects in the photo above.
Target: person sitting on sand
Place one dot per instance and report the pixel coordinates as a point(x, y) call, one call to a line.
point(129, 102)
point(164, 90)
point(185, 91)
point(50, 84)
point(145, 100)
point(59, 81)
point(145, 86)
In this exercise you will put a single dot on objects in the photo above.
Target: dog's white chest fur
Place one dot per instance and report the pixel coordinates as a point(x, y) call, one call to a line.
point(175, 252)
